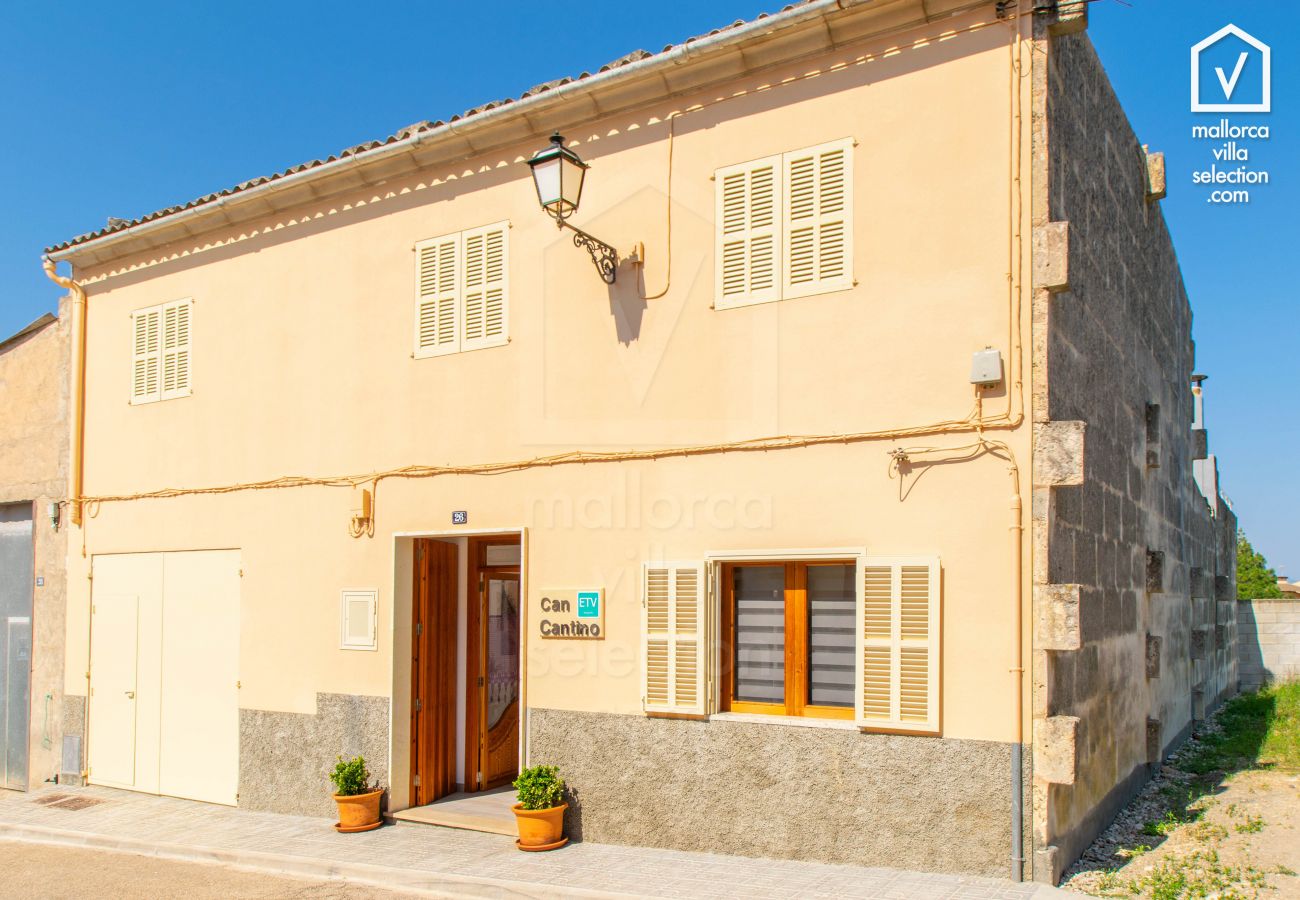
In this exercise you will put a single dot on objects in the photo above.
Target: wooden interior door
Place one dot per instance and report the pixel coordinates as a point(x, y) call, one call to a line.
point(433, 672)
point(499, 678)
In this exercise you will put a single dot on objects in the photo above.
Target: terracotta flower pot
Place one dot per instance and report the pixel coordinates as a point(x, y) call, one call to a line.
point(540, 829)
point(358, 812)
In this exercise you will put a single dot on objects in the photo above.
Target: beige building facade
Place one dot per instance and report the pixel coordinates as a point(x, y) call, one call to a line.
point(760, 543)
point(34, 433)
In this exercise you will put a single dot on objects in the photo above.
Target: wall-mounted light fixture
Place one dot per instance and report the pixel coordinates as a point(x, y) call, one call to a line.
point(558, 174)
point(363, 515)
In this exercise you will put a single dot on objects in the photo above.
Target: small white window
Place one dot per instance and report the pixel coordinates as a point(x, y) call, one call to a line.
point(461, 295)
point(784, 226)
point(160, 352)
point(358, 620)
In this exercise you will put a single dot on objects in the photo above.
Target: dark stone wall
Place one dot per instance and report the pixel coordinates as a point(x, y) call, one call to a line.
point(1155, 649)
point(781, 791)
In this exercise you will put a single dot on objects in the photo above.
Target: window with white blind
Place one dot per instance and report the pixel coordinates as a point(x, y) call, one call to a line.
point(787, 638)
point(784, 226)
point(461, 293)
point(853, 638)
point(160, 352)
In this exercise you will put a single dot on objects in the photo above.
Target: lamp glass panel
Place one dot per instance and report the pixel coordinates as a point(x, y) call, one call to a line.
point(571, 183)
point(547, 177)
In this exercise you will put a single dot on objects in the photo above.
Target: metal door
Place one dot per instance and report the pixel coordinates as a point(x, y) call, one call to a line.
point(16, 579)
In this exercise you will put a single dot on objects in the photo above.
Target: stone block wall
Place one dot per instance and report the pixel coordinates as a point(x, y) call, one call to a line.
point(1268, 641)
point(1126, 549)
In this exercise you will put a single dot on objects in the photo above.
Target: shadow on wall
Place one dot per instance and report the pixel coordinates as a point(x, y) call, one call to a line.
point(1250, 655)
point(1268, 641)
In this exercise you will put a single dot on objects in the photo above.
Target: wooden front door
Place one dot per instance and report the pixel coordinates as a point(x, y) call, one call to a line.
point(433, 672)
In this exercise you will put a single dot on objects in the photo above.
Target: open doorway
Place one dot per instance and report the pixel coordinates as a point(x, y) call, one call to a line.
point(465, 697)
point(492, 663)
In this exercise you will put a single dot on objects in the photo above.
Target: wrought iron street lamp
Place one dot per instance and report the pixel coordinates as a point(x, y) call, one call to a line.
point(558, 174)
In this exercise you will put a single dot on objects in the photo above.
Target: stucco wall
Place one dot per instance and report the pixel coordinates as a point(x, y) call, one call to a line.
point(302, 334)
point(1132, 572)
point(782, 792)
point(33, 469)
point(301, 362)
point(1268, 641)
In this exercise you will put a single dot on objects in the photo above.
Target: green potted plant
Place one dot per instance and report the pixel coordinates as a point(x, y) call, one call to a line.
point(357, 798)
point(539, 814)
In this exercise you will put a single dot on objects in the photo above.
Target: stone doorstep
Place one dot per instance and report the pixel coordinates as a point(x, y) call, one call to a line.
point(433, 884)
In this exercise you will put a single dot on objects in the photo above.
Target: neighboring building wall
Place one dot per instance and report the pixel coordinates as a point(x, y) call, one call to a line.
point(33, 471)
point(1268, 641)
point(1133, 575)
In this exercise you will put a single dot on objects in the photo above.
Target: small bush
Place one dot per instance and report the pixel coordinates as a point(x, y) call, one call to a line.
point(351, 777)
point(540, 787)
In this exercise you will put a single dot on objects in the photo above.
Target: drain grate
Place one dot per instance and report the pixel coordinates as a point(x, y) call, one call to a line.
point(75, 803)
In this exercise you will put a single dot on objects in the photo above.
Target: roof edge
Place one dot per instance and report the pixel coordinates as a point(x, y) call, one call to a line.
point(101, 247)
point(46, 319)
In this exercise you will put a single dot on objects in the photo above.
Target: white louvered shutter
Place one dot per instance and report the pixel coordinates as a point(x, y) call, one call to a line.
point(817, 246)
point(673, 645)
point(484, 291)
point(176, 349)
point(748, 222)
point(898, 644)
point(437, 296)
point(146, 362)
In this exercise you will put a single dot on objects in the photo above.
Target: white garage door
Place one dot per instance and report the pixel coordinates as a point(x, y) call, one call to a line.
point(164, 669)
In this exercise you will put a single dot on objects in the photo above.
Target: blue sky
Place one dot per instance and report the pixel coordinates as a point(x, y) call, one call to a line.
point(121, 109)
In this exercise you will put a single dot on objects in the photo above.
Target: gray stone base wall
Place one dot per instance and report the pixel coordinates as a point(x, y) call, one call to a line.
point(285, 758)
point(782, 791)
point(74, 725)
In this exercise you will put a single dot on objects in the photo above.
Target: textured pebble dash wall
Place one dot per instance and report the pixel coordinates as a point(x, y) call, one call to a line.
point(1127, 550)
point(74, 725)
point(781, 791)
point(285, 758)
point(1268, 641)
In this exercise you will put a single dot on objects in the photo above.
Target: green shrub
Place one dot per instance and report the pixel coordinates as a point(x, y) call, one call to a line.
point(540, 787)
point(351, 777)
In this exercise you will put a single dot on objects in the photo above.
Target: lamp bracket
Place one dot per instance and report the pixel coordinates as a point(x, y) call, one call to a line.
point(603, 256)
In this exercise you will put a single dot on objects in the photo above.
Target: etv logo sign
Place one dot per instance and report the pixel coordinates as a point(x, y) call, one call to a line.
point(1257, 72)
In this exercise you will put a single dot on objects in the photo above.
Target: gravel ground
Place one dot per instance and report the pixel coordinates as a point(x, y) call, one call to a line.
point(48, 871)
point(1232, 836)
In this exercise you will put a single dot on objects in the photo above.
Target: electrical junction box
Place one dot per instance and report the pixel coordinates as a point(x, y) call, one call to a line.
point(986, 368)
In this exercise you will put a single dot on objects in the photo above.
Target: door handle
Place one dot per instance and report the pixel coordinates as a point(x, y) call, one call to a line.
point(130, 695)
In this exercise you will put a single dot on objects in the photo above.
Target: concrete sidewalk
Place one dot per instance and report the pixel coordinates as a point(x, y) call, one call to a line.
point(448, 862)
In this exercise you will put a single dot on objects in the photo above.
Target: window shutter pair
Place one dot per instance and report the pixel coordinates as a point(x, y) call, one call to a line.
point(160, 352)
point(673, 648)
point(897, 625)
point(461, 293)
point(898, 644)
point(784, 226)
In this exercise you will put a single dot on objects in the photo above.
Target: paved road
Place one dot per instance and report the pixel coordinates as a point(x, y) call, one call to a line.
point(64, 873)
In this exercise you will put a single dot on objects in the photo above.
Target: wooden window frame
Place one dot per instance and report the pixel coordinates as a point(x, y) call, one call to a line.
point(796, 642)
